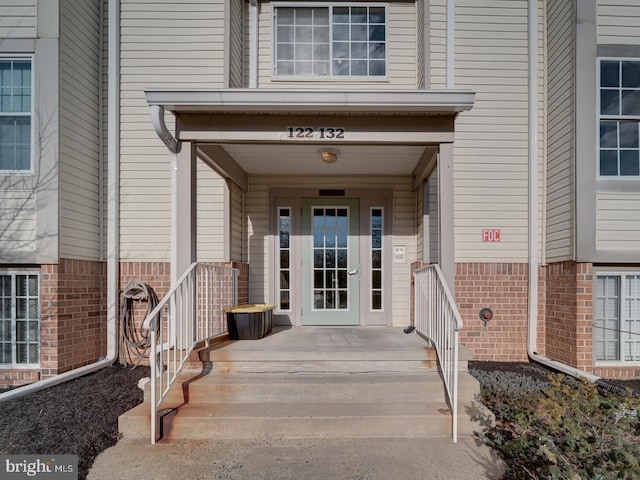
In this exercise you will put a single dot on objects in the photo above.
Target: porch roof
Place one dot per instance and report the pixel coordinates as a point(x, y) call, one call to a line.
point(312, 102)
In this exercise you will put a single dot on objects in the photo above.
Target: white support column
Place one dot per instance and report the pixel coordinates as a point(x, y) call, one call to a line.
point(446, 242)
point(184, 248)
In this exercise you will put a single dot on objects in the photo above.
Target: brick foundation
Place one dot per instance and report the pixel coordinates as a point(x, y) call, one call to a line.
point(568, 289)
point(502, 287)
point(73, 314)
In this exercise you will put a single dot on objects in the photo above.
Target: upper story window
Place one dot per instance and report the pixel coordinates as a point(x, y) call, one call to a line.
point(339, 40)
point(15, 114)
point(619, 90)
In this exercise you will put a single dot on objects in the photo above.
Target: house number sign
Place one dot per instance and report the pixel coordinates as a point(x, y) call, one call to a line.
point(308, 133)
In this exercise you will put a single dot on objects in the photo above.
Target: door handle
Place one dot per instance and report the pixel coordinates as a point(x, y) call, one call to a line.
point(352, 272)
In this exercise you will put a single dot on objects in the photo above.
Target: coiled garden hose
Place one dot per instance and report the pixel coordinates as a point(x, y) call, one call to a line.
point(134, 342)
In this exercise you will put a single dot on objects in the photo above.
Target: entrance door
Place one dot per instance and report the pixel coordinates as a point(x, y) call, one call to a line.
point(330, 262)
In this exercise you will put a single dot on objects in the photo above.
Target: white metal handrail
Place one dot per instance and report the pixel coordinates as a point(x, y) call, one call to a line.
point(192, 312)
point(437, 320)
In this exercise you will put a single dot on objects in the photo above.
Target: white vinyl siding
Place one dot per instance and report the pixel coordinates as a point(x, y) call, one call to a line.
point(18, 19)
point(491, 149)
point(401, 53)
point(237, 222)
point(104, 81)
point(421, 229)
point(17, 223)
point(211, 215)
point(403, 236)
point(162, 44)
point(434, 209)
point(236, 44)
point(437, 44)
point(561, 125)
point(403, 219)
point(618, 221)
point(421, 81)
point(79, 130)
point(618, 22)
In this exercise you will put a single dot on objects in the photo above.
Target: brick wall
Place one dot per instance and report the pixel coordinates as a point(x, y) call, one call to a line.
point(503, 287)
point(73, 314)
point(158, 276)
point(18, 377)
point(243, 281)
point(568, 313)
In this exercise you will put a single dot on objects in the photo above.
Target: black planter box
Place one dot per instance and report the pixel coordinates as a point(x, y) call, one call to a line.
point(250, 322)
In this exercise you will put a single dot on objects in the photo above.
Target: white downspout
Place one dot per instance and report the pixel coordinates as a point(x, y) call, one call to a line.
point(112, 220)
point(451, 44)
point(253, 44)
point(532, 331)
point(160, 127)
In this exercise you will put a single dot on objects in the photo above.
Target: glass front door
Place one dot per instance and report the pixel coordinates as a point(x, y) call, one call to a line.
point(330, 262)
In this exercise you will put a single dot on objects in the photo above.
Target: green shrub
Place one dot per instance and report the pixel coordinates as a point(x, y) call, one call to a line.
point(565, 429)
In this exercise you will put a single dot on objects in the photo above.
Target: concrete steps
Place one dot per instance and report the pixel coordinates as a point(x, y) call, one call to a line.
point(297, 387)
point(339, 405)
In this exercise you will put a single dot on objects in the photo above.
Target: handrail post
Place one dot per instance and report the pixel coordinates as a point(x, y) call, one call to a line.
point(154, 372)
point(456, 336)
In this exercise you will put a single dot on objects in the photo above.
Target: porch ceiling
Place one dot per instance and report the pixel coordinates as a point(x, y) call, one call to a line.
point(305, 159)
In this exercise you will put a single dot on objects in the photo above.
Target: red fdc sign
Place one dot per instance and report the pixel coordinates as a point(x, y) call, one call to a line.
point(490, 234)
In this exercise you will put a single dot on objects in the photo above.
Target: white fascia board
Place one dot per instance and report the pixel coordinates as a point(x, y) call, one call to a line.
point(300, 102)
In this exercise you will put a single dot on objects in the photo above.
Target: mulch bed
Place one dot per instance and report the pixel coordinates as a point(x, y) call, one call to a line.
point(537, 371)
point(78, 417)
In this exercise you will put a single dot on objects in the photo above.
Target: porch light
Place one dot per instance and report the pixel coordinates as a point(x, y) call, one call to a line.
point(328, 155)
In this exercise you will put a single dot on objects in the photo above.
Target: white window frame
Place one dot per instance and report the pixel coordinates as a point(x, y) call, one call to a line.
point(382, 261)
point(612, 118)
point(330, 77)
point(14, 364)
point(621, 274)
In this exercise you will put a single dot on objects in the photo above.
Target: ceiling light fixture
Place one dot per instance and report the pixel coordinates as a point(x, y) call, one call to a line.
point(329, 155)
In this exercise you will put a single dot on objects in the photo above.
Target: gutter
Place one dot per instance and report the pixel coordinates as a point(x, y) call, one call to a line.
point(159, 125)
point(532, 324)
point(112, 220)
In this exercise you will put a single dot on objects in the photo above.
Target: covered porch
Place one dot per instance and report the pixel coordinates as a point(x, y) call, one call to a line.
point(327, 203)
point(297, 163)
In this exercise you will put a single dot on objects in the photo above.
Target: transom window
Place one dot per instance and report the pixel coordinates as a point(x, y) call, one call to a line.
point(15, 114)
point(19, 319)
point(617, 318)
point(619, 145)
point(330, 41)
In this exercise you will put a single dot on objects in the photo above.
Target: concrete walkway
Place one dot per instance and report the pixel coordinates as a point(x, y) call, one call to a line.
point(358, 459)
point(268, 457)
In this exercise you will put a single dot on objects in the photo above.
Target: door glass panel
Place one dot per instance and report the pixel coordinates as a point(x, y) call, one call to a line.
point(330, 253)
point(376, 226)
point(284, 227)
